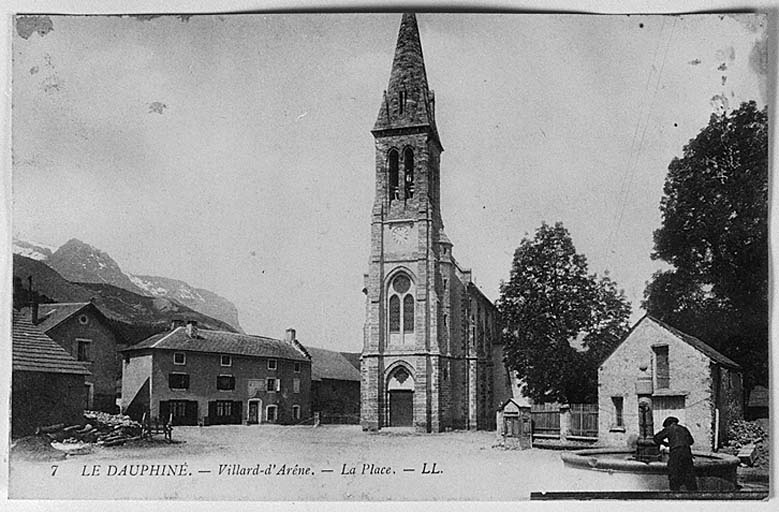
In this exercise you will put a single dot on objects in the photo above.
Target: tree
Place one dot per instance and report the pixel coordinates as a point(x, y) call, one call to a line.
point(714, 233)
point(558, 321)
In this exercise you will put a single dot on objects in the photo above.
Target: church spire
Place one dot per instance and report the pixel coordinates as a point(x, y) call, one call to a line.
point(407, 101)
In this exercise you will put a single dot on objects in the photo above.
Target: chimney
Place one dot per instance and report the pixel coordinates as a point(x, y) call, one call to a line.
point(33, 303)
point(192, 328)
point(290, 337)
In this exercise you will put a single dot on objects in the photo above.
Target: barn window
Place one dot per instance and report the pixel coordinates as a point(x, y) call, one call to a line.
point(295, 412)
point(271, 364)
point(226, 360)
point(394, 175)
point(84, 349)
point(408, 172)
point(662, 373)
point(618, 403)
point(179, 358)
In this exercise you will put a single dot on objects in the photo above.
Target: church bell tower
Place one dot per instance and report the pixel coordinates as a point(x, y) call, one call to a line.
point(402, 353)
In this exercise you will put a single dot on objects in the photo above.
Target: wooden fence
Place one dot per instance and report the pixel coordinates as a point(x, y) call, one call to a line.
point(584, 420)
point(546, 418)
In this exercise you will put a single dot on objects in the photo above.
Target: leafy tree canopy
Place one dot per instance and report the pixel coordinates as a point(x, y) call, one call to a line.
point(714, 233)
point(559, 322)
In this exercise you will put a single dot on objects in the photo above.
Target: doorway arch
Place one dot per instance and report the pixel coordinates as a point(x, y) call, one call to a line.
point(400, 397)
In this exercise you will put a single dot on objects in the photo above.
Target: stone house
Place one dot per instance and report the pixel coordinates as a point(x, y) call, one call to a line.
point(335, 386)
point(208, 377)
point(47, 384)
point(83, 330)
point(431, 357)
point(683, 377)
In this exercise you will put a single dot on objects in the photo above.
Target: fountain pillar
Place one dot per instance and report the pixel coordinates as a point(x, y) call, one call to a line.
point(646, 449)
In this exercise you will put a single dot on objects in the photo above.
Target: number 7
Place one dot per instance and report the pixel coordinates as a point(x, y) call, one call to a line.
point(54, 468)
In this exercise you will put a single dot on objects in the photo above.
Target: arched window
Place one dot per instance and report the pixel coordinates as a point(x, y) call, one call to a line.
point(394, 313)
point(401, 309)
point(393, 175)
point(408, 313)
point(408, 170)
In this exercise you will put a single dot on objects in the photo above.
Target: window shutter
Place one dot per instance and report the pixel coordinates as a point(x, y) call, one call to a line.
point(278, 384)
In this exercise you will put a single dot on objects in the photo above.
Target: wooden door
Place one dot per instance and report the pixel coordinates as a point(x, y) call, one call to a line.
point(254, 412)
point(401, 408)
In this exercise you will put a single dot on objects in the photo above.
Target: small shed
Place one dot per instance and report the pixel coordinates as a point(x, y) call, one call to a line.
point(681, 375)
point(515, 427)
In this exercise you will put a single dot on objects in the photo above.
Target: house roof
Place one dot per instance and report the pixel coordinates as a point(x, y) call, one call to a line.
point(694, 342)
point(33, 351)
point(222, 342)
point(328, 364)
point(353, 357)
point(697, 344)
point(51, 315)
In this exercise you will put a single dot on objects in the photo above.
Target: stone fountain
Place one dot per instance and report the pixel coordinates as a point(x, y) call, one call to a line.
point(644, 468)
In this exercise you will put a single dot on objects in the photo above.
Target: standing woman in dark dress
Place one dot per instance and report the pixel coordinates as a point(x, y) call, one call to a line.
point(680, 467)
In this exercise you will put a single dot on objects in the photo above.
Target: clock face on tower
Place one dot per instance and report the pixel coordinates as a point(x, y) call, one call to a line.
point(401, 234)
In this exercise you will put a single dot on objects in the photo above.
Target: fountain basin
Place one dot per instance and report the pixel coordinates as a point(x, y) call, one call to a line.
point(613, 470)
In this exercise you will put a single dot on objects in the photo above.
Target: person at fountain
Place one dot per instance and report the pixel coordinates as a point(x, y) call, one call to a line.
point(680, 465)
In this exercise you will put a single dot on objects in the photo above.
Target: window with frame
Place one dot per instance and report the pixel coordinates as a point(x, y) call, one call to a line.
point(224, 408)
point(179, 358)
point(296, 385)
point(84, 349)
point(178, 381)
point(295, 412)
point(297, 367)
point(273, 384)
point(225, 383)
point(226, 360)
point(271, 413)
point(178, 408)
point(618, 402)
point(662, 370)
point(272, 364)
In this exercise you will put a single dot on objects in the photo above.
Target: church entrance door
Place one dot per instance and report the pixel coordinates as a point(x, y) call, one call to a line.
point(401, 408)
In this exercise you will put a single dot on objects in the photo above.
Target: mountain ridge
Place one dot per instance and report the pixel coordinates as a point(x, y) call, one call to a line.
point(81, 263)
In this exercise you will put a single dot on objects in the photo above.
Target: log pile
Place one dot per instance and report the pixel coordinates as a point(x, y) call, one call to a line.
point(748, 434)
point(97, 428)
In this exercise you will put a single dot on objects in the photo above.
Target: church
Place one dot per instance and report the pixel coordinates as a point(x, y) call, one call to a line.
point(432, 357)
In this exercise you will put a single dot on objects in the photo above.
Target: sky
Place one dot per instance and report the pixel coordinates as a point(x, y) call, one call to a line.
point(234, 152)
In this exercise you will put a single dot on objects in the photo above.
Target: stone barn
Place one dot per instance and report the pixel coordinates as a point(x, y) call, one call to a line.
point(683, 377)
point(47, 384)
